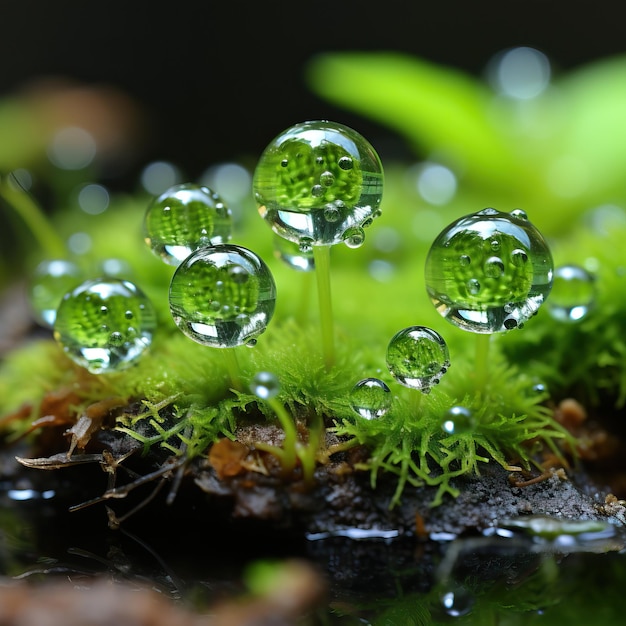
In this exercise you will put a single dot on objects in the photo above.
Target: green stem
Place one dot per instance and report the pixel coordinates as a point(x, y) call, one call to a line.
point(321, 256)
point(481, 366)
point(34, 218)
point(291, 435)
point(416, 402)
point(234, 371)
point(302, 314)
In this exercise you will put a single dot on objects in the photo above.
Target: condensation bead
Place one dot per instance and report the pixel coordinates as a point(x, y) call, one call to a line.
point(489, 271)
point(105, 325)
point(265, 385)
point(458, 420)
point(222, 296)
point(370, 398)
point(319, 182)
point(573, 293)
point(184, 218)
point(50, 281)
point(418, 357)
point(292, 255)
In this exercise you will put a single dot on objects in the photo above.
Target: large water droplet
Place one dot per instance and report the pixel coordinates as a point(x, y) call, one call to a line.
point(316, 180)
point(109, 347)
point(573, 293)
point(265, 385)
point(183, 219)
point(236, 278)
point(418, 357)
point(370, 398)
point(50, 281)
point(513, 284)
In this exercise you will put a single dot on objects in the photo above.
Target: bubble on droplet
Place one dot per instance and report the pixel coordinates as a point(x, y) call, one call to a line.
point(305, 245)
point(265, 385)
point(159, 176)
point(494, 267)
point(519, 214)
point(110, 347)
point(370, 398)
point(494, 244)
point(465, 260)
point(72, 148)
point(290, 253)
point(573, 293)
point(50, 281)
point(473, 286)
point(329, 158)
point(354, 237)
point(511, 289)
point(183, 219)
point(521, 73)
point(458, 420)
point(417, 357)
point(246, 305)
point(332, 213)
point(457, 601)
point(251, 343)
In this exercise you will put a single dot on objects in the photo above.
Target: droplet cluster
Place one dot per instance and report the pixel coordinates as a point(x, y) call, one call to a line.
point(418, 357)
point(489, 271)
point(184, 218)
point(105, 325)
point(319, 183)
point(222, 296)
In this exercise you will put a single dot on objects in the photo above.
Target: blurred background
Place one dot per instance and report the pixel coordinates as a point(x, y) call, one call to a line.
point(199, 83)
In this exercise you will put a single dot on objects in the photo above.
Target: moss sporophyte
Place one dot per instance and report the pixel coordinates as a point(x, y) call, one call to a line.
point(316, 185)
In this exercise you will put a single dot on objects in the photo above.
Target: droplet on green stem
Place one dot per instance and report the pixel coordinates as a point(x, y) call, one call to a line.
point(184, 218)
point(105, 325)
point(418, 357)
point(222, 296)
point(317, 181)
point(489, 271)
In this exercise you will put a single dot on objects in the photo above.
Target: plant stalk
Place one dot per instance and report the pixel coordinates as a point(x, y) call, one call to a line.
point(234, 370)
point(481, 368)
point(321, 256)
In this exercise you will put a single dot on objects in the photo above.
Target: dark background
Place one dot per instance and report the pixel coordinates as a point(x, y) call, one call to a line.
point(218, 80)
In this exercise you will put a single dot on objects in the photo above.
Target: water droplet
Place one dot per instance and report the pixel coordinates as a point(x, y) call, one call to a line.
point(458, 420)
point(519, 214)
point(457, 602)
point(371, 398)
point(511, 288)
point(109, 347)
point(417, 357)
point(573, 293)
point(354, 237)
point(464, 260)
point(265, 385)
point(246, 305)
point(473, 286)
point(305, 245)
point(183, 219)
point(332, 213)
point(50, 281)
point(334, 158)
point(290, 253)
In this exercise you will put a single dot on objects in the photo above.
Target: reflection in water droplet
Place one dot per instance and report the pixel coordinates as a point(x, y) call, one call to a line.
point(236, 278)
point(370, 398)
point(417, 357)
point(573, 293)
point(492, 293)
point(354, 237)
point(109, 347)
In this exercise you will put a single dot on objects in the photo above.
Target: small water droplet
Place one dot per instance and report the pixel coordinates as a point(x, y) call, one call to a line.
point(50, 281)
point(265, 385)
point(247, 296)
point(332, 213)
point(317, 191)
point(494, 267)
point(354, 237)
point(417, 357)
point(464, 260)
point(345, 163)
point(458, 420)
point(327, 179)
point(305, 245)
point(371, 398)
point(289, 252)
point(457, 602)
point(184, 218)
point(473, 286)
point(109, 347)
point(573, 293)
point(519, 214)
